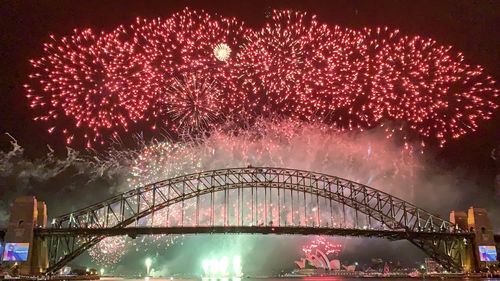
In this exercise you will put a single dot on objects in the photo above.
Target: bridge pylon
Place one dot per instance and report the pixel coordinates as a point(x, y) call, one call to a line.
point(466, 253)
point(479, 223)
point(27, 252)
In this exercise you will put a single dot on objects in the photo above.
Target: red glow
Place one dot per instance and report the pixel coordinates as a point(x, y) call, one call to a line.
point(320, 243)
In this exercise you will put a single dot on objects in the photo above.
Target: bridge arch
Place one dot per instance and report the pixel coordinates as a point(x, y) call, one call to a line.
point(76, 232)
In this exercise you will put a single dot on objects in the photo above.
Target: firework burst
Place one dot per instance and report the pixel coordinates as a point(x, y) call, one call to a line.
point(194, 103)
point(289, 64)
point(182, 51)
point(222, 52)
point(429, 88)
point(93, 82)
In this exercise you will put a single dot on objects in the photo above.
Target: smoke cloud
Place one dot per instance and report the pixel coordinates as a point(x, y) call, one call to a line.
point(366, 157)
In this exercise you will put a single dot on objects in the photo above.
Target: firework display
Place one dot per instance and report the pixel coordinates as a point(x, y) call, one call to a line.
point(321, 243)
point(272, 143)
point(194, 71)
point(109, 250)
point(277, 95)
point(92, 83)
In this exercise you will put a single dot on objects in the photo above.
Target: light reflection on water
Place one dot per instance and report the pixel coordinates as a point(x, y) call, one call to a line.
point(326, 278)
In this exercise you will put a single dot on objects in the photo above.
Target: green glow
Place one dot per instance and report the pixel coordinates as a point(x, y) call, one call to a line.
point(221, 268)
point(206, 267)
point(148, 263)
point(223, 264)
point(237, 266)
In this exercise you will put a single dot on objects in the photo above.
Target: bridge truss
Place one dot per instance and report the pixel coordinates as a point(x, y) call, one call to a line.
point(255, 200)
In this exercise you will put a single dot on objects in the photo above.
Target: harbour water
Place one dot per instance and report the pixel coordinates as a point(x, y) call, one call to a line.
point(312, 278)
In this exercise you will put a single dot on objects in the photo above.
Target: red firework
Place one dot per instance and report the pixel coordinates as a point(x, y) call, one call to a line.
point(93, 86)
point(430, 89)
point(180, 49)
point(298, 67)
point(194, 102)
point(322, 244)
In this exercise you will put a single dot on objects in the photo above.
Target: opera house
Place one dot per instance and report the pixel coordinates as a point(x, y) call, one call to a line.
point(317, 261)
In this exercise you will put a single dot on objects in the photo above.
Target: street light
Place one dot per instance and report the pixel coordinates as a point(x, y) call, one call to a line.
point(148, 263)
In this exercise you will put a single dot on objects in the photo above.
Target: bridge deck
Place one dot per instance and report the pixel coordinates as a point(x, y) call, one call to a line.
point(282, 230)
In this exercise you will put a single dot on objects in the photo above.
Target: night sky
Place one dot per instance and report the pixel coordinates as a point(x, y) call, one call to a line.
point(471, 27)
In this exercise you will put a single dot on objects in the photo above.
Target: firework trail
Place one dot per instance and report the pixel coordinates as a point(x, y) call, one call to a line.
point(321, 243)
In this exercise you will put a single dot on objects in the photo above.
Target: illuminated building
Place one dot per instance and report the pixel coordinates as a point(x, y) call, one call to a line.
point(317, 256)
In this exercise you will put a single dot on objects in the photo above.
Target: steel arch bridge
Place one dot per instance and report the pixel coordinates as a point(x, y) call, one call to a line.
point(255, 200)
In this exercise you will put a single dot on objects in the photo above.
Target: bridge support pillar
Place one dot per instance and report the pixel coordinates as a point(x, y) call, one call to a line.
point(465, 253)
point(478, 252)
point(27, 253)
point(484, 243)
point(468, 259)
